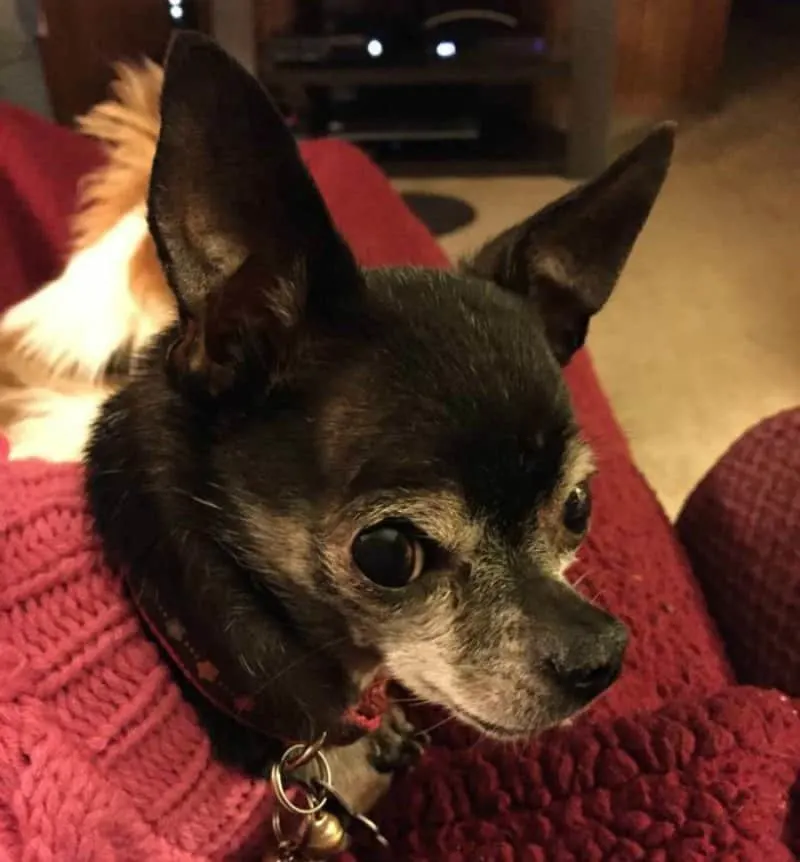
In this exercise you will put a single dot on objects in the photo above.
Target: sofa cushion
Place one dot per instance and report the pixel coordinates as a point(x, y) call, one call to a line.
point(702, 779)
point(740, 527)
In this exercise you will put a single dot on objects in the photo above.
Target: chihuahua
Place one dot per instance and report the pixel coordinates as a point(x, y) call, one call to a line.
point(330, 473)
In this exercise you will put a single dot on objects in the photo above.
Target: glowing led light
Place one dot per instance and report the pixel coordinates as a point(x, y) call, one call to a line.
point(176, 12)
point(446, 50)
point(374, 48)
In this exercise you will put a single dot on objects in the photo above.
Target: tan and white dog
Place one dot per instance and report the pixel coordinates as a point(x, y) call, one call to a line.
point(60, 349)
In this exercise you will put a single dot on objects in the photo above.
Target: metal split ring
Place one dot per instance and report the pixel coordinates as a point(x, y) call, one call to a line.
point(293, 758)
point(308, 753)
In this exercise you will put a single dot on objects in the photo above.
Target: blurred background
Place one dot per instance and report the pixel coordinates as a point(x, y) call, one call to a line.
point(482, 112)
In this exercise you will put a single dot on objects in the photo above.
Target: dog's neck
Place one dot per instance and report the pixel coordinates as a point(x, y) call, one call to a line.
point(160, 610)
point(191, 590)
point(239, 732)
point(186, 656)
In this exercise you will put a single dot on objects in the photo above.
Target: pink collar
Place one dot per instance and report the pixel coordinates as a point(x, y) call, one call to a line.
point(205, 672)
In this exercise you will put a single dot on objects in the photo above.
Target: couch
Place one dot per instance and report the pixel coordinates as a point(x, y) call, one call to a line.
point(695, 752)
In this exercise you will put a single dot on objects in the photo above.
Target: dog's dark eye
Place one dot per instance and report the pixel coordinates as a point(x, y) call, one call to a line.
point(388, 555)
point(578, 508)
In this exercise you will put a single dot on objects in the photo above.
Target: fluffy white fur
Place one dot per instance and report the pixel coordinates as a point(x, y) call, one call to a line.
point(55, 425)
point(75, 323)
point(56, 345)
point(72, 327)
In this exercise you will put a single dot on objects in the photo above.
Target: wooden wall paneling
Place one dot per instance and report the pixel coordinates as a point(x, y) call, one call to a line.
point(679, 27)
point(204, 15)
point(705, 52)
point(550, 96)
point(82, 38)
point(649, 76)
point(669, 54)
point(630, 20)
point(665, 35)
point(273, 16)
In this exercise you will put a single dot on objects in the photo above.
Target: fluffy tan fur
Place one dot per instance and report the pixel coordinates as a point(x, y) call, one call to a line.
point(32, 383)
point(127, 125)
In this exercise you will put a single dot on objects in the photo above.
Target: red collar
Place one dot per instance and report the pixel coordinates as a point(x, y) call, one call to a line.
point(206, 674)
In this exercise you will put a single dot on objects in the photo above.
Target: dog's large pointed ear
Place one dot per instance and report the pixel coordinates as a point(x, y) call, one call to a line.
point(246, 242)
point(568, 257)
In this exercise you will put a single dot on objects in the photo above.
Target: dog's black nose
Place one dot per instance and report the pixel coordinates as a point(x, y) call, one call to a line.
point(592, 661)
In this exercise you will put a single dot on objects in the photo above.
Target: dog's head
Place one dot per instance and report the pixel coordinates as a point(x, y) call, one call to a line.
point(340, 469)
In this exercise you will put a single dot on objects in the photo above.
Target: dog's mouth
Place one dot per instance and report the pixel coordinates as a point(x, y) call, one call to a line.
point(490, 728)
point(498, 731)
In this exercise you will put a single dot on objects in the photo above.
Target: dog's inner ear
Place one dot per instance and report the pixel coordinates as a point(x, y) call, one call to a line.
point(568, 257)
point(246, 242)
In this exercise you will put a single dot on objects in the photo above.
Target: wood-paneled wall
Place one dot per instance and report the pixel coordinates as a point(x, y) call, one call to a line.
point(669, 52)
point(80, 39)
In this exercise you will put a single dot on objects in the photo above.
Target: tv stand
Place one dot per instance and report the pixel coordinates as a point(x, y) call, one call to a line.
point(589, 71)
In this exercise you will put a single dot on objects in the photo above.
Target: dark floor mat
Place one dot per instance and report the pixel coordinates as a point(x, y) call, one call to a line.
point(441, 214)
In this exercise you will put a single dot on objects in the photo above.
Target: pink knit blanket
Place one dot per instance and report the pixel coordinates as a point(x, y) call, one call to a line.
point(101, 759)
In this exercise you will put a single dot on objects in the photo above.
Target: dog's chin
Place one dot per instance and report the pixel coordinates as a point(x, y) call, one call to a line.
point(504, 732)
point(513, 730)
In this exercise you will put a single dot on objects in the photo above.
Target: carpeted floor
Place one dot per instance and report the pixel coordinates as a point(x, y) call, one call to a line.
point(702, 337)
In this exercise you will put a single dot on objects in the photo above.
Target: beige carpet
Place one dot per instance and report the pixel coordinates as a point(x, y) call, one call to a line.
point(702, 337)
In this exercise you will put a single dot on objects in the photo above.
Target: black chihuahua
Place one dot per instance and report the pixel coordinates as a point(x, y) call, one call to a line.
point(323, 474)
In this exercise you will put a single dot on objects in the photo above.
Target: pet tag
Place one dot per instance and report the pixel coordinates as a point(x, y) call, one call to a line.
point(326, 819)
point(325, 837)
point(322, 836)
point(350, 820)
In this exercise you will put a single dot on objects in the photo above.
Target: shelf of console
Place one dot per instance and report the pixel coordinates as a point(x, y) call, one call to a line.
point(410, 75)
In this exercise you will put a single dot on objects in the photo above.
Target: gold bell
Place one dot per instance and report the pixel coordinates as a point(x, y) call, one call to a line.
point(325, 838)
